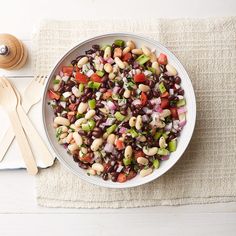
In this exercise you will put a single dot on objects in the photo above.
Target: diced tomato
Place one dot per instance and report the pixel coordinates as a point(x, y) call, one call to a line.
point(122, 178)
point(53, 95)
point(72, 106)
point(127, 56)
point(131, 175)
point(164, 103)
point(143, 98)
point(162, 59)
point(165, 95)
point(174, 112)
point(96, 78)
point(81, 78)
point(117, 52)
point(107, 94)
point(139, 78)
point(138, 154)
point(67, 70)
point(86, 158)
point(120, 144)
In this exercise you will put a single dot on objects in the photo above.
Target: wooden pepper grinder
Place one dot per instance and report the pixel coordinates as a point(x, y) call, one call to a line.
point(13, 54)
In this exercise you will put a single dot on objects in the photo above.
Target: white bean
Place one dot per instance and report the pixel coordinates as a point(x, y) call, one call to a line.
point(156, 66)
point(63, 135)
point(146, 51)
point(127, 93)
point(132, 121)
point(119, 63)
point(144, 88)
point(98, 167)
point(150, 151)
point(131, 44)
point(69, 137)
point(145, 172)
point(126, 50)
point(142, 161)
point(107, 53)
point(111, 75)
point(96, 144)
point(142, 138)
point(165, 113)
point(162, 142)
point(90, 114)
point(83, 151)
point(128, 152)
point(62, 129)
point(160, 124)
point(108, 68)
point(138, 123)
point(80, 121)
point(82, 107)
point(137, 51)
point(78, 139)
point(153, 57)
point(72, 147)
point(111, 138)
point(62, 121)
point(171, 70)
point(82, 61)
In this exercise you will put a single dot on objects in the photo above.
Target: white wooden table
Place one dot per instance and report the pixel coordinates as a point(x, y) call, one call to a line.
point(19, 213)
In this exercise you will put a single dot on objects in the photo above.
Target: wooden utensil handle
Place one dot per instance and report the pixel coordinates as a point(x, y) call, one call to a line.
point(23, 144)
point(35, 139)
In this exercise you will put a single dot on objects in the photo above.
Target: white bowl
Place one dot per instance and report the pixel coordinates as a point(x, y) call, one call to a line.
point(183, 140)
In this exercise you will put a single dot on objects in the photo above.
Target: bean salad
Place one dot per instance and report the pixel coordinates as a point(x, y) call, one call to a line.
point(119, 110)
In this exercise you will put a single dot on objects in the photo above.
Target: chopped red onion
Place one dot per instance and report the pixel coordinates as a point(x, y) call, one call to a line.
point(67, 94)
point(122, 130)
point(61, 74)
point(137, 102)
point(101, 60)
point(111, 105)
point(65, 78)
point(109, 121)
point(171, 91)
point(182, 123)
point(159, 109)
point(119, 169)
point(164, 158)
point(182, 110)
point(109, 148)
point(98, 95)
point(177, 86)
point(135, 65)
point(110, 60)
point(96, 117)
point(89, 73)
point(63, 104)
point(147, 111)
point(116, 89)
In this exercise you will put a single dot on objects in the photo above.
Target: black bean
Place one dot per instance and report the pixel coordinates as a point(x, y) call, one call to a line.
point(72, 99)
point(96, 47)
point(84, 99)
point(96, 134)
point(72, 119)
point(102, 90)
point(64, 115)
point(83, 165)
point(150, 94)
point(110, 169)
point(76, 157)
point(73, 62)
point(105, 176)
point(70, 83)
point(67, 88)
point(89, 95)
point(81, 132)
point(177, 80)
point(101, 53)
point(87, 90)
point(111, 84)
point(90, 51)
point(181, 92)
point(120, 156)
point(114, 176)
point(79, 57)
point(58, 109)
point(151, 83)
point(156, 93)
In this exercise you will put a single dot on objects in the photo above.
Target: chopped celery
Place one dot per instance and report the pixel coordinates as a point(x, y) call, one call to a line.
point(94, 85)
point(119, 42)
point(162, 152)
point(86, 127)
point(100, 73)
point(81, 87)
point(119, 116)
point(165, 135)
point(56, 81)
point(111, 129)
point(91, 124)
point(151, 69)
point(157, 135)
point(127, 161)
point(156, 164)
point(142, 59)
point(133, 133)
point(92, 103)
point(162, 87)
point(181, 102)
point(172, 145)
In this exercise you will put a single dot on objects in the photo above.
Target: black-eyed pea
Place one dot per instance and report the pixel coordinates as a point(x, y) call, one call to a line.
point(142, 138)
point(62, 121)
point(83, 151)
point(108, 67)
point(137, 51)
point(78, 139)
point(146, 51)
point(132, 121)
point(144, 88)
point(111, 138)
point(83, 106)
point(111, 76)
point(73, 147)
point(107, 53)
point(131, 44)
point(145, 172)
point(153, 57)
point(171, 70)
point(119, 63)
point(127, 93)
point(138, 123)
point(104, 110)
point(91, 171)
point(128, 152)
point(126, 50)
point(90, 114)
point(162, 142)
point(160, 124)
point(98, 167)
point(62, 129)
point(156, 66)
point(96, 144)
point(82, 61)
point(142, 160)
point(150, 151)
point(63, 135)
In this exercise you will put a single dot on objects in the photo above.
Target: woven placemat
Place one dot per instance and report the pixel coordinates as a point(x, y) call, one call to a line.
point(207, 171)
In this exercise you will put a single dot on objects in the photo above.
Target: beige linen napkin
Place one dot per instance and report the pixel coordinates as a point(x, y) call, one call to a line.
point(207, 171)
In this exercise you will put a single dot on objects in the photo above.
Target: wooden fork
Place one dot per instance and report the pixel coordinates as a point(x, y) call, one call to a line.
point(8, 101)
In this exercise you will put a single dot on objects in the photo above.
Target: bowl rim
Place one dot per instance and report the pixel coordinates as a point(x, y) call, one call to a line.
point(100, 36)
